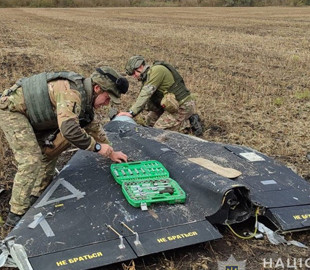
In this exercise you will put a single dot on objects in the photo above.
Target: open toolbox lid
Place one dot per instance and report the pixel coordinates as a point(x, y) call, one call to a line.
point(138, 170)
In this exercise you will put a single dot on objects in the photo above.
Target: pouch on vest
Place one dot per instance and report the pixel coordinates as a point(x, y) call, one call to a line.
point(170, 103)
point(56, 146)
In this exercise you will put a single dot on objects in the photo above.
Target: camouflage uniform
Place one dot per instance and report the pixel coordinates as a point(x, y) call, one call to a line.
point(158, 79)
point(35, 169)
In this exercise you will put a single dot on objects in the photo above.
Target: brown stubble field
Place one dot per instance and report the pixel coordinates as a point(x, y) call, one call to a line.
point(249, 69)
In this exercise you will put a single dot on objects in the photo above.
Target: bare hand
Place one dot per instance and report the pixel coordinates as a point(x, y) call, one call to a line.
point(124, 114)
point(106, 150)
point(118, 157)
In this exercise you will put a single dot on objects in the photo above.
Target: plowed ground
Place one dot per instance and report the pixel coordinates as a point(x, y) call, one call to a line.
point(249, 69)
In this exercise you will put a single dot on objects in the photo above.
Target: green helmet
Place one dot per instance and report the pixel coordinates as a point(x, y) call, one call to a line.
point(111, 81)
point(133, 63)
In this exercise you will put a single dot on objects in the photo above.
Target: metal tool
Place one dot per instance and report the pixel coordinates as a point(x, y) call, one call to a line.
point(116, 173)
point(121, 245)
point(169, 190)
point(137, 241)
point(162, 185)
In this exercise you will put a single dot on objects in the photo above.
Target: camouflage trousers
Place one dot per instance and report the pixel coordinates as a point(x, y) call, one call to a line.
point(34, 172)
point(178, 121)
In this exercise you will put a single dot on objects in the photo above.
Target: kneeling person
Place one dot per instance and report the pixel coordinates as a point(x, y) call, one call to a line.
point(163, 94)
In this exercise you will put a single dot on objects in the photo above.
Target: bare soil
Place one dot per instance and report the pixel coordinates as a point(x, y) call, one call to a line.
point(249, 69)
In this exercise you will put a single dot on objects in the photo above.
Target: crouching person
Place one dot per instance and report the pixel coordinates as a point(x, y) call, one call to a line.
point(42, 115)
point(164, 95)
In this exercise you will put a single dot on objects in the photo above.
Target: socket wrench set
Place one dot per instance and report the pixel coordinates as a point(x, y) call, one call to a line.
point(147, 182)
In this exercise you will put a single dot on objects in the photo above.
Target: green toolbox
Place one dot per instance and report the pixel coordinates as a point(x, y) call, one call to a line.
point(147, 182)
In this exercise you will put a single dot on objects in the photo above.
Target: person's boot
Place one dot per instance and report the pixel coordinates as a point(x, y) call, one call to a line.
point(12, 219)
point(33, 199)
point(196, 125)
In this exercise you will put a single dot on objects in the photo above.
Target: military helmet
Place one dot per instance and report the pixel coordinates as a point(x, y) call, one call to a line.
point(111, 81)
point(133, 63)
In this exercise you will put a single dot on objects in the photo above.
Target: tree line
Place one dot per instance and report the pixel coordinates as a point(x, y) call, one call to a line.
point(128, 3)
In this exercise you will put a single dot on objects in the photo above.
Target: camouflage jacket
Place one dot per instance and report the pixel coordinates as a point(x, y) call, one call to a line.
point(158, 81)
point(66, 103)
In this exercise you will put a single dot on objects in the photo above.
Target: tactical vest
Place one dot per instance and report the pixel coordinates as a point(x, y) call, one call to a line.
point(178, 88)
point(39, 107)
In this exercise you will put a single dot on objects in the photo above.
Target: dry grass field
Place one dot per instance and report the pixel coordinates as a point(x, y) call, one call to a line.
point(249, 69)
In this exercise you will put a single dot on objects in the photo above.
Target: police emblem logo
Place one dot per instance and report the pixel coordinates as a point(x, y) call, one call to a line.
point(231, 264)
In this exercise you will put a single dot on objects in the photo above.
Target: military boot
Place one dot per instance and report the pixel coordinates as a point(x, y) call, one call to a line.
point(12, 219)
point(196, 125)
point(33, 199)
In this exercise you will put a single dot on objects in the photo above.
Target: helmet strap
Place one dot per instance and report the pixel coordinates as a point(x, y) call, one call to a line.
point(143, 74)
